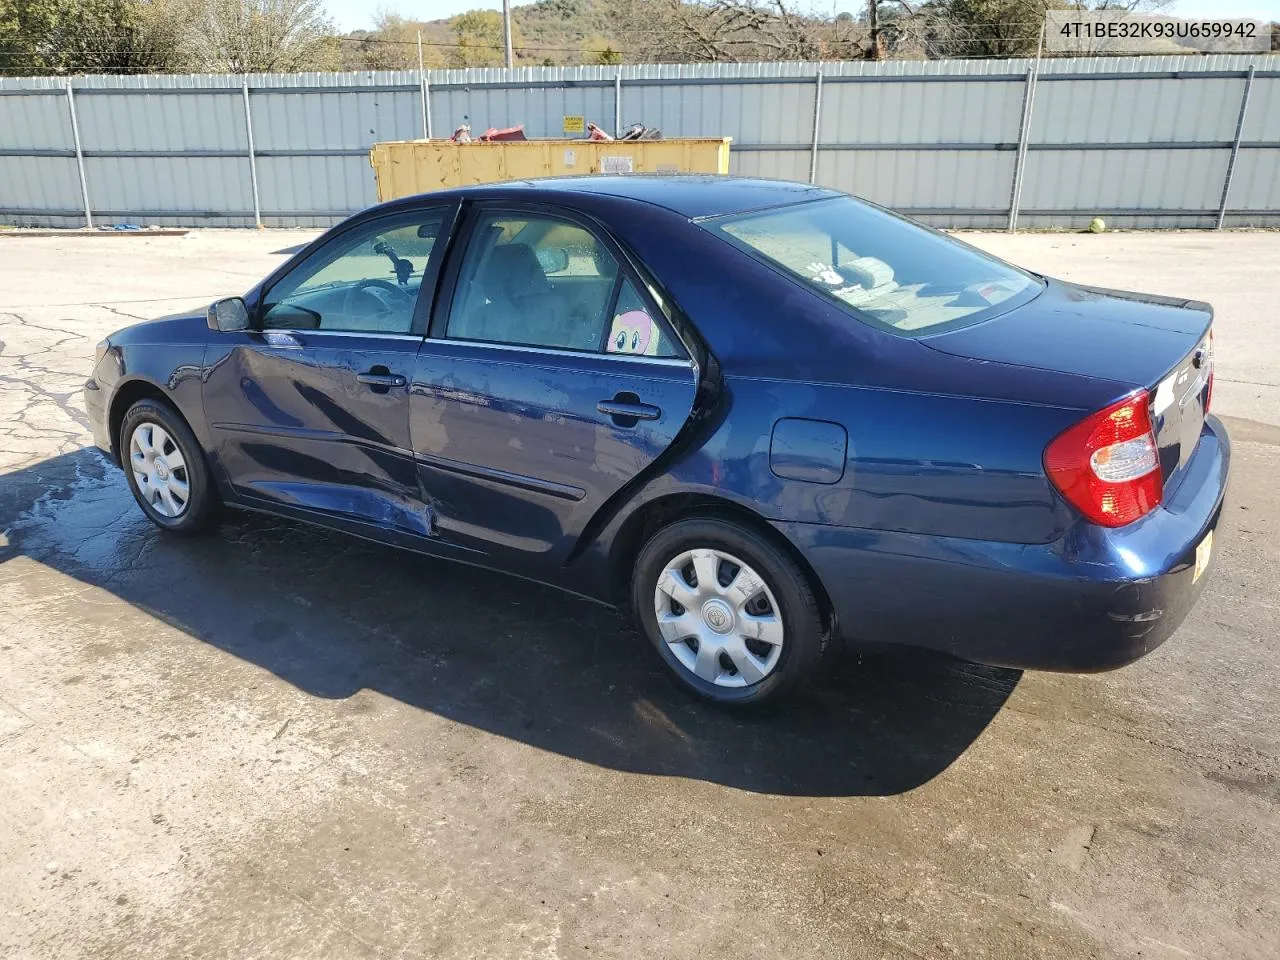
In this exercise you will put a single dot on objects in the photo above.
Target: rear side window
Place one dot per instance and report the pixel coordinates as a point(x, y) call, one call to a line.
point(545, 282)
point(533, 281)
point(884, 269)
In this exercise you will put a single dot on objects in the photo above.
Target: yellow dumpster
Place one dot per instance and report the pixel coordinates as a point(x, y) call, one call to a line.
point(406, 167)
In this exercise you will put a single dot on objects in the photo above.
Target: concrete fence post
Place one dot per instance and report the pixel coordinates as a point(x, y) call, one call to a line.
point(75, 138)
point(1235, 148)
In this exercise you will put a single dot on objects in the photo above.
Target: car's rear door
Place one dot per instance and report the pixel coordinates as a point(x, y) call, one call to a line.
point(310, 408)
point(549, 380)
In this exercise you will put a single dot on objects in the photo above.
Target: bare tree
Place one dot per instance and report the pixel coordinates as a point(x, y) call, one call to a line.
point(729, 30)
point(260, 36)
point(991, 28)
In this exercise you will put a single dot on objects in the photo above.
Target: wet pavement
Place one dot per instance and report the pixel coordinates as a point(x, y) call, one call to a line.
point(277, 741)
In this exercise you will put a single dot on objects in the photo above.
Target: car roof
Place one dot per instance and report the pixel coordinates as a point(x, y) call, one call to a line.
point(689, 195)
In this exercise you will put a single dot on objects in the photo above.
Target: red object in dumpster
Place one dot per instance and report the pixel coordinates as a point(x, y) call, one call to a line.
point(505, 134)
point(595, 133)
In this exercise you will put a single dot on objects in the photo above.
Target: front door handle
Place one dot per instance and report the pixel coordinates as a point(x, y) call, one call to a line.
point(382, 379)
point(626, 409)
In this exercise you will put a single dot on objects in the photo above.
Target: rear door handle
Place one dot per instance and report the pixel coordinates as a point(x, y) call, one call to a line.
point(382, 379)
point(626, 411)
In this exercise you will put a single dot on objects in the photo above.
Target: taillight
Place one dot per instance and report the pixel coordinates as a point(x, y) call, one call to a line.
point(1107, 465)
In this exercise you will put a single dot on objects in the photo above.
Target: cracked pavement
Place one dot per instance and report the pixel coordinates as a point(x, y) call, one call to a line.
point(281, 742)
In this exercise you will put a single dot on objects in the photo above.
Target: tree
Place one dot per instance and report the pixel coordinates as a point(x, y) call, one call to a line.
point(733, 30)
point(26, 27)
point(392, 44)
point(479, 38)
point(983, 28)
point(88, 36)
point(260, 36)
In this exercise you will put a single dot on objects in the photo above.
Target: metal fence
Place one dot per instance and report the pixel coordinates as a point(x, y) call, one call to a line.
point(1144, 142)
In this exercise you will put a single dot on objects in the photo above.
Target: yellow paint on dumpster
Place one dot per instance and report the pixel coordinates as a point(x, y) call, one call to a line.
point(406, 167)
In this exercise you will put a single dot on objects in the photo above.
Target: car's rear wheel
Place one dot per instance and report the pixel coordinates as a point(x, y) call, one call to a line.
point(732, 615)
point(166, 469)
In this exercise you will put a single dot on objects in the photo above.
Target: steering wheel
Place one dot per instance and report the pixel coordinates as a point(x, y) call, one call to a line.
point(400, 297)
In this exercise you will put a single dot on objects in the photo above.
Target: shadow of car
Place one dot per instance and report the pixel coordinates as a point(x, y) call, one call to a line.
point(332, 615)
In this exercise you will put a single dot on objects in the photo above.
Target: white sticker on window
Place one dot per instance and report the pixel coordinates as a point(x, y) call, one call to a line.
point(633, 332)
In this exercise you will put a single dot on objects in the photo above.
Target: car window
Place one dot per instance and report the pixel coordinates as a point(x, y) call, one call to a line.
point(882, 268)
point(533, 281)
point(636, 330)
point(368, 281)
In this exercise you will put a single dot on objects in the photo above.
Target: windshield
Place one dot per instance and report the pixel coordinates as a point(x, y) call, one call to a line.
point(886, 270)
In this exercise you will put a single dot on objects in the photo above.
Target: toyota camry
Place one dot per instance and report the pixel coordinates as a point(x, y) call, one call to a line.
point(767, 418)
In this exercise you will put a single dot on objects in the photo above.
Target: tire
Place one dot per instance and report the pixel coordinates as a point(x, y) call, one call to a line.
point(735, 618)
point(166, 458)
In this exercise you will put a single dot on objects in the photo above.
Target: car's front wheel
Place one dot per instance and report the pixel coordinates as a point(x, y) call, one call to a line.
point(165, 468)
point(732, 615)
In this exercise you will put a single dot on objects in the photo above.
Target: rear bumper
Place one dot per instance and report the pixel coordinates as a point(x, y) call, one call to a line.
point(1094, 600)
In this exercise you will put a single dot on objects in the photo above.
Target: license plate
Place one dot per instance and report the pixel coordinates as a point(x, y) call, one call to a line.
point(1203, 549)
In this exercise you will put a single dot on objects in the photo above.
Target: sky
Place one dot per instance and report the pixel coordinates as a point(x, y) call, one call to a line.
point(359, 14)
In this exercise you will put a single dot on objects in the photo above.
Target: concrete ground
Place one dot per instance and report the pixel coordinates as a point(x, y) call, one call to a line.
point(277, 742)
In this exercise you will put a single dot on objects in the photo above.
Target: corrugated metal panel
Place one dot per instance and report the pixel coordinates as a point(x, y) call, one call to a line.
point(325, 185)
point(195, 122)
point(1135, 111)
point(1124, 179)
point(39, 183)
point(1256, 182)
point(40, 122)
point(921, 112)
point(773, 164)
point(758, 113)
point(151, 184)
point(542, 110)
point(965, 179)
point(1262, 121)
point(327, 121)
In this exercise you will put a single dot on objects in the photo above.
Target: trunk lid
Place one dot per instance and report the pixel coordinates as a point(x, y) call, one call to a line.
point(1154, 343)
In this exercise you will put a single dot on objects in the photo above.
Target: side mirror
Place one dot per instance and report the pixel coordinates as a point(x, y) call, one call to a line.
point(228, 315)
point(553, 259)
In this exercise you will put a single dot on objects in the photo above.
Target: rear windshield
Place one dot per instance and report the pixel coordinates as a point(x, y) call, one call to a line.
point(884, 269)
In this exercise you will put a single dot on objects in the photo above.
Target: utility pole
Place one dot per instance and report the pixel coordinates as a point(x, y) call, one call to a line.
point(506, 29)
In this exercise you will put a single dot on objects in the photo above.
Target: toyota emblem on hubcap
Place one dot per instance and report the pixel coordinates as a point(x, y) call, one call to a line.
point(717, 616)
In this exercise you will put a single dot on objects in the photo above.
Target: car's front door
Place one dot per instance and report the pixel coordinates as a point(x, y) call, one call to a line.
point(550, 379)
point(309, 409)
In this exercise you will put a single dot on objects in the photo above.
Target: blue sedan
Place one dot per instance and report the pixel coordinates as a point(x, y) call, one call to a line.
point(767, 418)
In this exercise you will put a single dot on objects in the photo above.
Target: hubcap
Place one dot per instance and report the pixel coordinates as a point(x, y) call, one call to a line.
point(719, 618)
point(159, 469)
